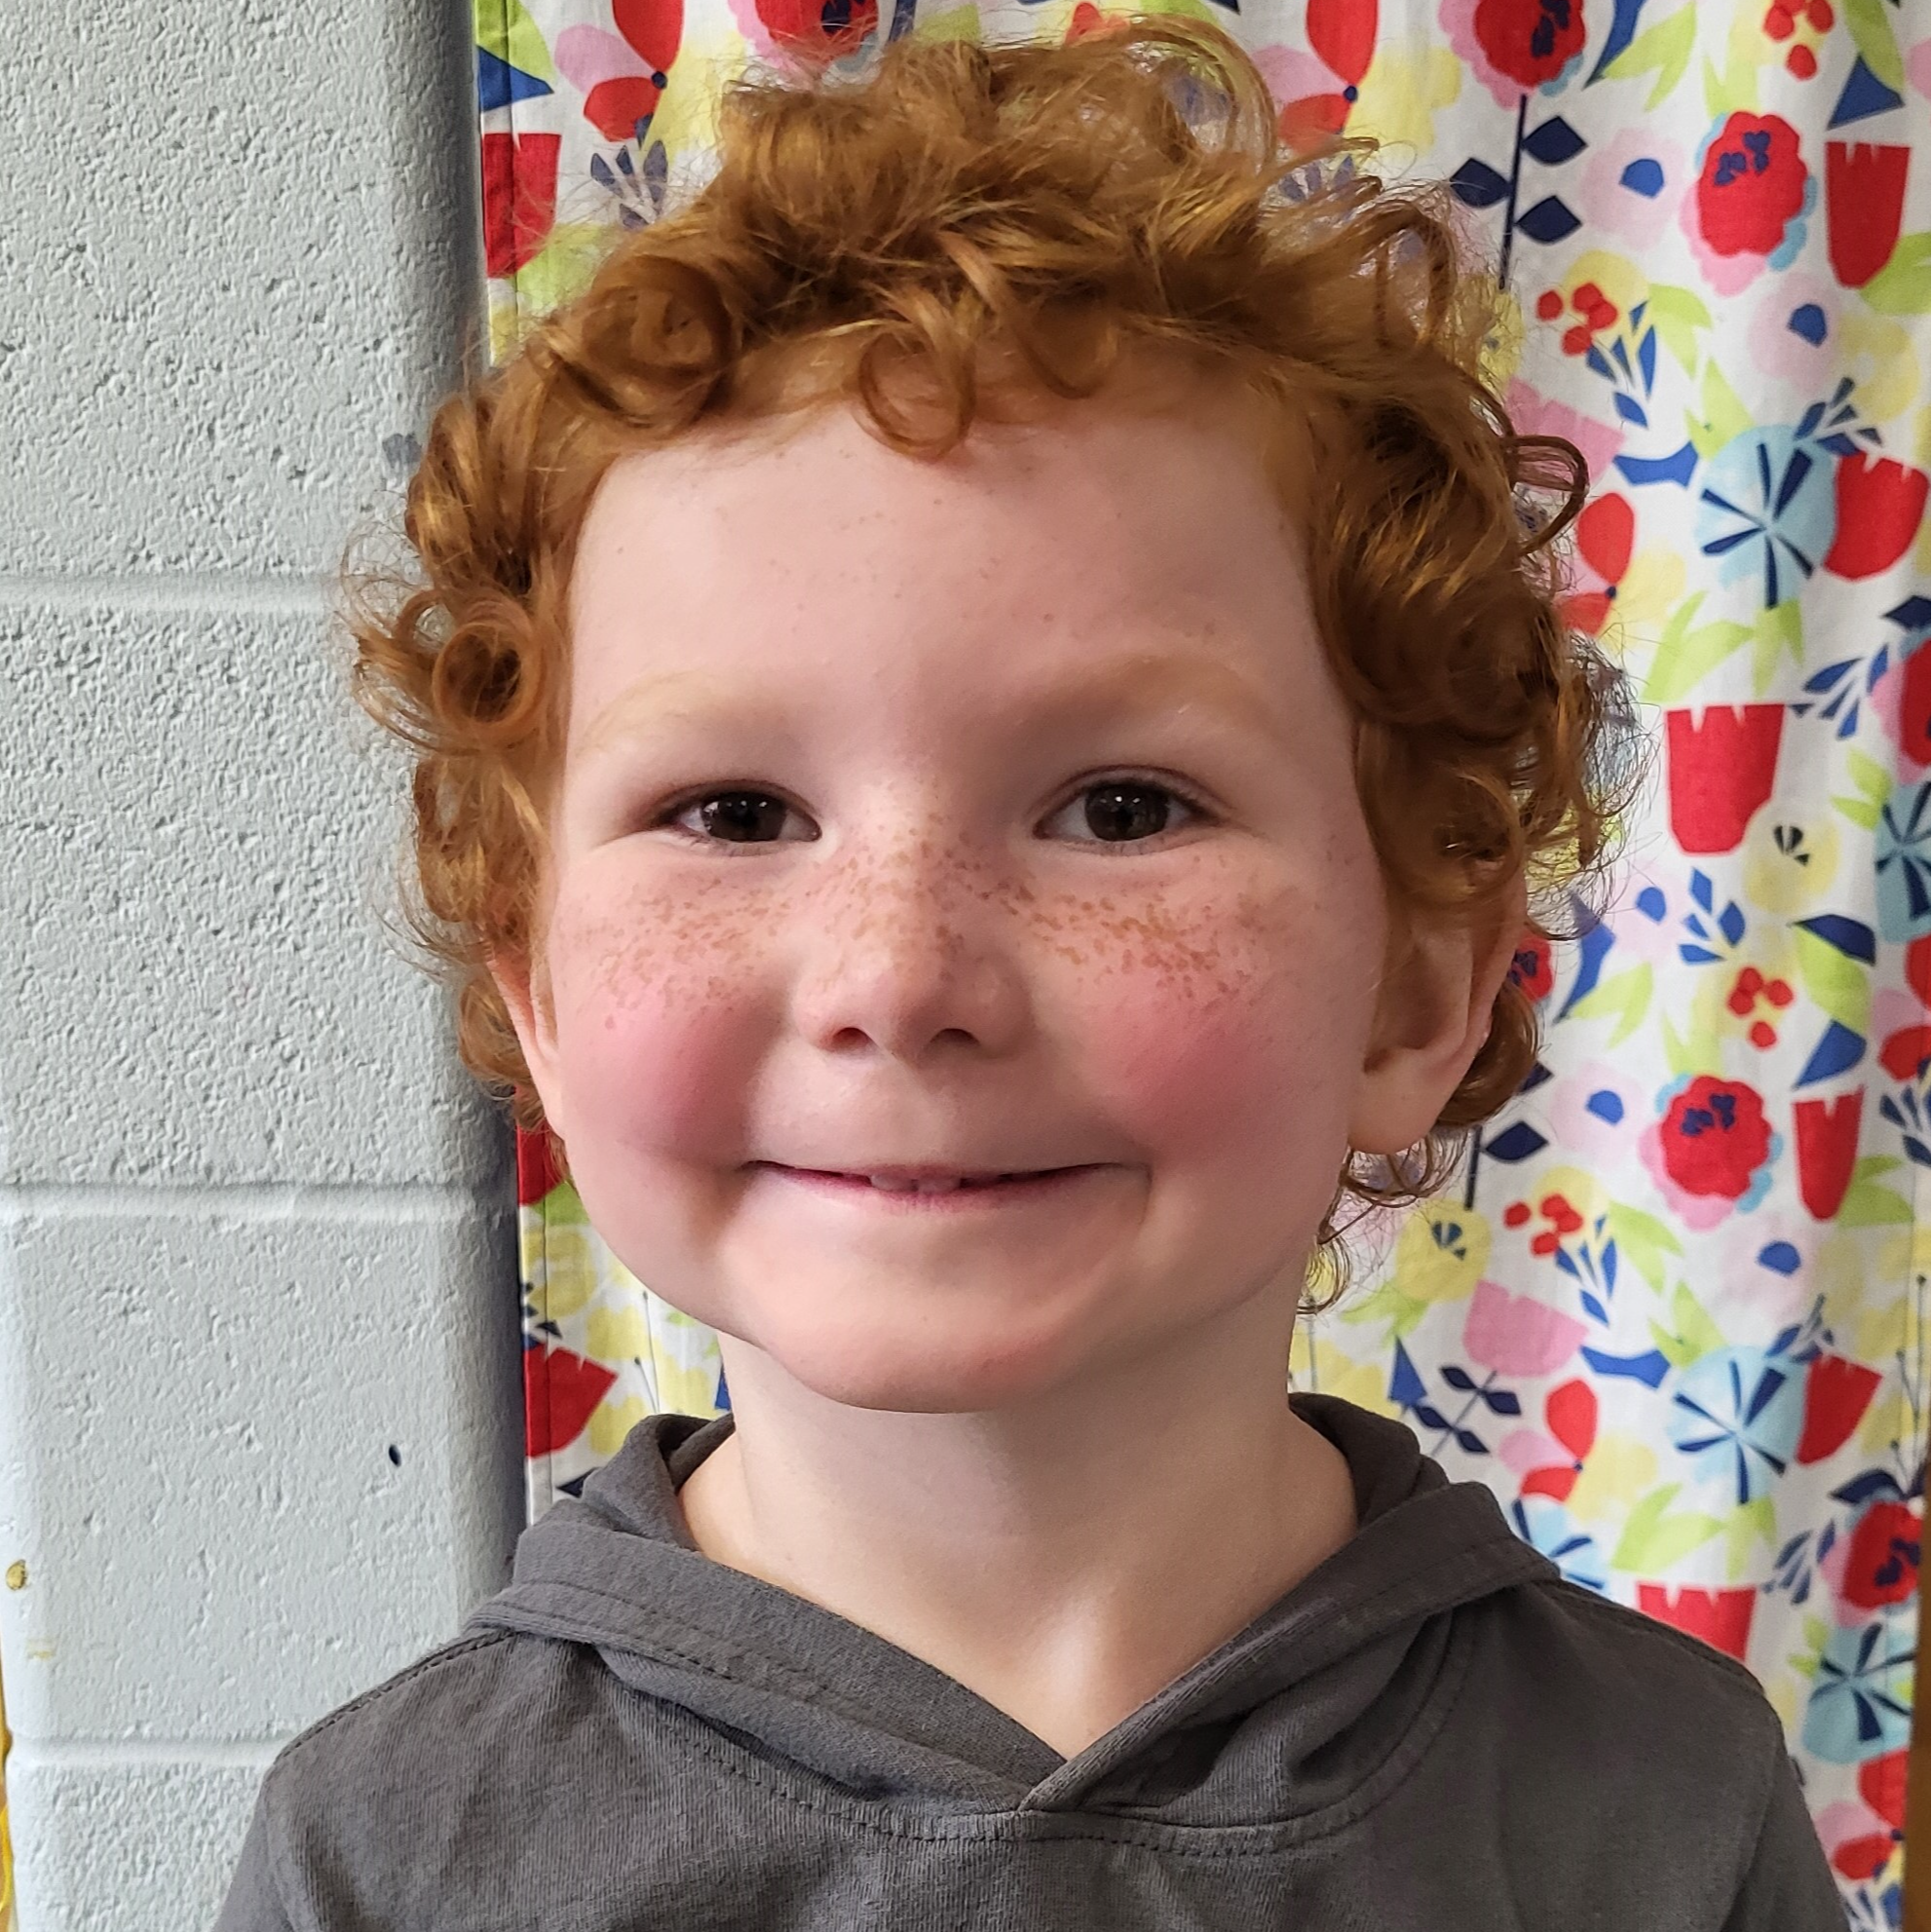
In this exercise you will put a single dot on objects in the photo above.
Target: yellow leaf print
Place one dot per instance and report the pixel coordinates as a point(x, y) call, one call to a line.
point(1402, 92)
point(611, 1421)
point(1316, 1364)
point(617, 1334)
point(566, 1276)
point(1441, 1252)
point(1650, 589)
point(1617, 1470)
point(1789, 866)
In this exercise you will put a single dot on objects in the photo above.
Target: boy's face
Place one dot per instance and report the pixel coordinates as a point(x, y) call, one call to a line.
point(994, 816)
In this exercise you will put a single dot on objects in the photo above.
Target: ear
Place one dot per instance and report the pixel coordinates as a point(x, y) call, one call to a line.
point(526, 995)
point(1431, 1020)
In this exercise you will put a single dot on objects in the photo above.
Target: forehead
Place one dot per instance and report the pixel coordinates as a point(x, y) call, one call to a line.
point(1154, 539)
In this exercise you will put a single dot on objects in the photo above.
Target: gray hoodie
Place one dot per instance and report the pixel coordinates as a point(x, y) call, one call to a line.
point(1431, 1731)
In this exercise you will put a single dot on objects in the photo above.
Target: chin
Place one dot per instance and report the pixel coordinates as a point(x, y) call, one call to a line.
point(908, 1369)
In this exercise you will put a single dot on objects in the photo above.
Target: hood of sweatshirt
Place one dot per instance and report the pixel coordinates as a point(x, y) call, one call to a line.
point(1289, 1714)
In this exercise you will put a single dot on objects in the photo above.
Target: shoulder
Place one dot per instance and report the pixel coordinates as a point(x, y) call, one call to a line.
point(1600, 1728)
point(459, 1677)
point(436, 1770)
point(1586, 1683)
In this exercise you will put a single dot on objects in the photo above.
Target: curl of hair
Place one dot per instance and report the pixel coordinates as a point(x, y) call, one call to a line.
point(1036, 213)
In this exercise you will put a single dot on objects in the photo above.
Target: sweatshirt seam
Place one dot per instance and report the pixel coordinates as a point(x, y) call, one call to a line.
point(1625, 1618)
point(449, 1653)
point(1682, 1644)
point(785, 1674)
point(793, 1676)
point(278, 1874)
point(1754, 1840)
point(1278, 1834)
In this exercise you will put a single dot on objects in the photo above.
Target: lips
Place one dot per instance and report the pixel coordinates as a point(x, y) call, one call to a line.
point(907, 1181)
point(932, 1184)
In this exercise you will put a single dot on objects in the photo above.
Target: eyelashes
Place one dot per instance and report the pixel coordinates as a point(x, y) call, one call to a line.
point(1122, 811)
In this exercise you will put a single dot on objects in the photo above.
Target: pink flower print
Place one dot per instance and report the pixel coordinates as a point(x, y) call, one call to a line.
point(1762, 1278)
point(1533, 414)
point(1629, 185)
point(1793, 333)
point(1517, 1335)
point(1596, 1114)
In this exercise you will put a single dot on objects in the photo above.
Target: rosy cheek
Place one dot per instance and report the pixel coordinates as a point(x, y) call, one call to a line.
point(1217, 1028)
point(663, 1010)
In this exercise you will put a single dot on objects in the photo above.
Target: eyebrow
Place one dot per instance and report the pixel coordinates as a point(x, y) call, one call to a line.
point(1151, 684)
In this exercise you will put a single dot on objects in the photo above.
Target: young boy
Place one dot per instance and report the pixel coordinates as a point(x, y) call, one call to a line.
point(990, 703)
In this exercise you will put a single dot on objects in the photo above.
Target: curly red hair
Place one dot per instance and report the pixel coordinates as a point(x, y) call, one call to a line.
point(977, 222)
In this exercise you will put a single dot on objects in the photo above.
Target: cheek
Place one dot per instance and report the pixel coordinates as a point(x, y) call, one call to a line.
point(661, 1005)
point(1224, 1030)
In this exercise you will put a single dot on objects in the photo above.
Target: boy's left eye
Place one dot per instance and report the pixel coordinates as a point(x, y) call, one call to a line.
point(1121, 812)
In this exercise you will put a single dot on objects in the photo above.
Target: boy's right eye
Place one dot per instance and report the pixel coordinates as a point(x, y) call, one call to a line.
point(741, 817)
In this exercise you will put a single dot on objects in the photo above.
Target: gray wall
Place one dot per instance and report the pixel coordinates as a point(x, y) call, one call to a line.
point(258, 1342)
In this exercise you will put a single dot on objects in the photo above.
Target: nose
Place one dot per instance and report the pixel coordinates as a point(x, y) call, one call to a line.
point(909, 953)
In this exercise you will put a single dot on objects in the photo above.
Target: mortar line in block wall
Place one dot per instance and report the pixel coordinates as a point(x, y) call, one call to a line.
point(109, 1754)
point(259, 1202)
point(216, 592)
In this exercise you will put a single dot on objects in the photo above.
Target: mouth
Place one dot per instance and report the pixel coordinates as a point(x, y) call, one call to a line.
point(927, 1187)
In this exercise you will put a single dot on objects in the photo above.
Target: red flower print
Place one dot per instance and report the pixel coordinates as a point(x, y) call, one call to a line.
point(1915, 736)
point(1529, 40)
point(1883, 1565)
point(559, 1391)
point(1556, 1210)
point(1715, 1137)
point(1864, 207)
point(1881, 1783)
point(1530, 968)
point(1721, 768)
point(1880, 502)
point(818, 31)
point(1722, 1619)
point(1781, 20)
point(1836, 1395)
point(1571, 1414)
point(1865, 1853)
point(1827, 1149)
point(1752, 185)
point(519, 198)
point(1904, 1053)
point(1342, 38)
point(1748, 991)
point(1605, 533)
point(1088, 19)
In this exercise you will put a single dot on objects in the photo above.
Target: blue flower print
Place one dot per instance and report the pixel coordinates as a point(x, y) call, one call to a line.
point(1861, 1702)
point(1768, 509)
point(1545, 1524)
point(1905, 865)
point(1738, 1413)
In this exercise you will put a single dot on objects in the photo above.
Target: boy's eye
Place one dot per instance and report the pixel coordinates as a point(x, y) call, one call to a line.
point(741, 817)
point(1119, 812)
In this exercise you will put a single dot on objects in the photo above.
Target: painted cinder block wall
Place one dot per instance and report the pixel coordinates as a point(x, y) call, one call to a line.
point(258, 1345)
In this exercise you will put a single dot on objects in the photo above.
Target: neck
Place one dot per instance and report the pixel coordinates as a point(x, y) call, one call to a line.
point(1065, 1558)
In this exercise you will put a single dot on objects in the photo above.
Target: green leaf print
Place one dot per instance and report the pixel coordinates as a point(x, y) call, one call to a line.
point(1653, 1540)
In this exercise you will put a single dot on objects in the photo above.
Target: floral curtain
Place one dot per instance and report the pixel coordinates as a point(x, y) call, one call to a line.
point(1674, 1309)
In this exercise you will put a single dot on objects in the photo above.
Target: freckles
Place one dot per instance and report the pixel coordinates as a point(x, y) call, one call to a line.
point(662, 1040)
point(1213, 1019)
point(666, 952)
point(1182, 953)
